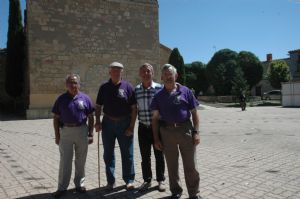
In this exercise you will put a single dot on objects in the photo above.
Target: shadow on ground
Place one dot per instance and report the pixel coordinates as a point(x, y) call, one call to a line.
point(118, 192)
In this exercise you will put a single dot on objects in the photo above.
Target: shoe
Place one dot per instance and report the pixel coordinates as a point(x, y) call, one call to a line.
point(129, 186)
point(161, 186)
point(176, 196)
point(59, 193)
point(195, 197)
point(110, 186)
point(145, 186)
point(80, 189)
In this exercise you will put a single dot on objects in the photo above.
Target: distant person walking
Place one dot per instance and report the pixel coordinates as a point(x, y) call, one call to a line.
point(243, 101)
point(174, 105)
point(117, 98)
point(71, 111)
point(144, 93)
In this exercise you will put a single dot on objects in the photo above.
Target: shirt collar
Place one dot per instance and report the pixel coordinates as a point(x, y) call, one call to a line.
point(151, 86)
point(110, 81)
point(179, 88)
point(70, 96)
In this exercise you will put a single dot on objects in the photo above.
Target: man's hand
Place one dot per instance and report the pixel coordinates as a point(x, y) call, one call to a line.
point(158, 145)
point(98, 127)
point(56, 128)
point(90, 139)
point(196, 139)
point(129, 131)
point(57, 138)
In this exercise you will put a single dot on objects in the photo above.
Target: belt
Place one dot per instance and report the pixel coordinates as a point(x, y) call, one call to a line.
point(115, 119)
point(72, 124)
point(145, 125)
point(174, 124)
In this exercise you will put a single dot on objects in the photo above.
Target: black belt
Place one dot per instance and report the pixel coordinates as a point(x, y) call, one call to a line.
point(145, 125)
point(174, 124)
point(72, 124)
point(116, 119)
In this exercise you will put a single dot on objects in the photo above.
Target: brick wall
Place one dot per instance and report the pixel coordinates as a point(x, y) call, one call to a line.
point(84, 37)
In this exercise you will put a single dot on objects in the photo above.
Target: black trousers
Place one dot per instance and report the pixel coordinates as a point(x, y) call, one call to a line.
point(146, 142)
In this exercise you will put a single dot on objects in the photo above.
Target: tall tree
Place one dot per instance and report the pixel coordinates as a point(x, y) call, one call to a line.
point(251, 66)
point(195, 76)
point(239, 83)
point(177, 61)
point(14, 78)
point(278, 72)
point(220, 71)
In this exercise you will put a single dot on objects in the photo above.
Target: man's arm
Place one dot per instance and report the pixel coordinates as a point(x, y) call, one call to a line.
point(130, 130)
point(155, 130)
point(98, 126)
point(56, 128)
point(196, 124)
point(90, 127)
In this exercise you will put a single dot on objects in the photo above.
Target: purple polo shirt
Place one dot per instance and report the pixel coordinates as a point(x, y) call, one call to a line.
point(174, 107)
point(73, 109)
point(116, 99)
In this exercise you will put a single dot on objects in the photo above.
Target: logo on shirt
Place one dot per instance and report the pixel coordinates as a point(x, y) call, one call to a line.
point(121, 93)
point(80, 105)
point(177, 99)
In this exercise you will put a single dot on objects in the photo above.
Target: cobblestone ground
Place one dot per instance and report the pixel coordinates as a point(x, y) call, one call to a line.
point(242, 155)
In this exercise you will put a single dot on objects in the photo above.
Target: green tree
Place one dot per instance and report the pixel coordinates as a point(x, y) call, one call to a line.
point(177, 61)
point(14, 71)
point(239, 83)
point(220, 71)
point(278, 72)
point(196, 77)
point(251, 66)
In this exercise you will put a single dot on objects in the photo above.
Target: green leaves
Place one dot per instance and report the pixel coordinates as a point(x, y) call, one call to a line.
point(177, 61)
point(279, 72)
point(14, 81)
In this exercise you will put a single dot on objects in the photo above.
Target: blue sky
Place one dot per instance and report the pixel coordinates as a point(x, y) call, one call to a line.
point(199, 28)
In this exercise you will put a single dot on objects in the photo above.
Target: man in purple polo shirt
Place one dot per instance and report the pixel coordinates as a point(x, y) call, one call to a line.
point(119, 107)
point(173, 106)
point(71, 112)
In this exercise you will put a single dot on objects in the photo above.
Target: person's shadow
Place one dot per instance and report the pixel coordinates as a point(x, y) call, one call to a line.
point(118, 192)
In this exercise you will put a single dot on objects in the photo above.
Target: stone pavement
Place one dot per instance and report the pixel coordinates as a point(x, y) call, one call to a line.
point(242, 155)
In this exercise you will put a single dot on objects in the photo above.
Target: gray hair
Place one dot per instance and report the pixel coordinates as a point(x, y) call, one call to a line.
point(69, 76)
point(170, 68)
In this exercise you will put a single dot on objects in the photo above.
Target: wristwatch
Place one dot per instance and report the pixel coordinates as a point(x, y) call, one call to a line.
point(195, 131)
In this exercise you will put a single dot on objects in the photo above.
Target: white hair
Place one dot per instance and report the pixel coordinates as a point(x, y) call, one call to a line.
point(69, 76)
point(170, 68)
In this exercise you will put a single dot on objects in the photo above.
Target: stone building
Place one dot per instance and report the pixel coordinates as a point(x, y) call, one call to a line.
point(84, 37)
point(164, 54)
point(293, 61)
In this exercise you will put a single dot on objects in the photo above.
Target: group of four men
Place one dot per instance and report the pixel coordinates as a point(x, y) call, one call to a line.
point(164, 123)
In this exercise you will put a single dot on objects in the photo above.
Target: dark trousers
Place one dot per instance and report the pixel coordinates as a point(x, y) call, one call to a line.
point(146, 142)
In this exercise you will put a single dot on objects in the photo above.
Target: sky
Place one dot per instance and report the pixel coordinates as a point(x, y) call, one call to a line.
point(199, 28)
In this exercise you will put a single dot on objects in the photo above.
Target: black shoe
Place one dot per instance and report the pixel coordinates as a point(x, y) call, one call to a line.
point(145, 186)
point(59, 193)
point(176, 195)
point(80, 189)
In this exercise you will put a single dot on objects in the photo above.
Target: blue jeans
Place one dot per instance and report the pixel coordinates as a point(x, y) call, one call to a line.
point(110, 131)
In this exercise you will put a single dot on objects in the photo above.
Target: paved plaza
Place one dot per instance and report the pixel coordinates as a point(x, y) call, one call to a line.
point(242, 155)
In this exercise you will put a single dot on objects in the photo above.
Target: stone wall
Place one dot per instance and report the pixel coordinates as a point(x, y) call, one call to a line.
point(164, 55)
point(84, 37)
